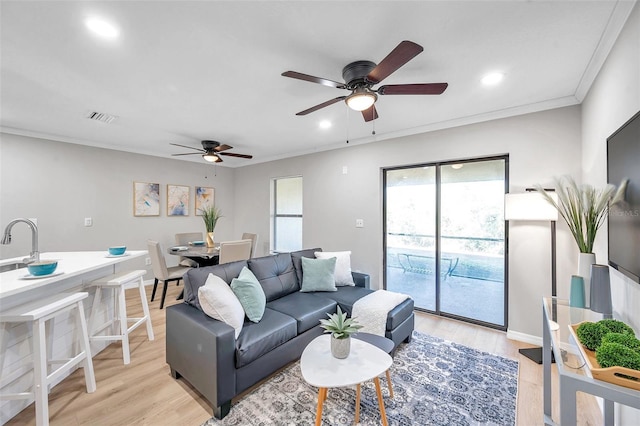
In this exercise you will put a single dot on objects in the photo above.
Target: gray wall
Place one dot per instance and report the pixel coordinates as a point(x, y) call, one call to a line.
point(60, 184)
point(612, 100)
point(540, 145)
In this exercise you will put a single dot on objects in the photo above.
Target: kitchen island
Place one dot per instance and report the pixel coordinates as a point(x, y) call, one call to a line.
point(75, 270)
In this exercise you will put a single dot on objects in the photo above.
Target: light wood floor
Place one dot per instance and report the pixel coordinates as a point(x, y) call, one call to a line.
point(143, 393)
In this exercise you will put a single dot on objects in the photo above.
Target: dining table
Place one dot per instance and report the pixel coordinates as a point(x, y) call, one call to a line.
point(202, 255)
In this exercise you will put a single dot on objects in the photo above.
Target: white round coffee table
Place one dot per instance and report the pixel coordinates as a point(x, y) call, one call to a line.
point(321, 369)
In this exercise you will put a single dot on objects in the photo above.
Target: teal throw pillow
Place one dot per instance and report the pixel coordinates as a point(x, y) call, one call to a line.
point(249, 292)
point(317, 274)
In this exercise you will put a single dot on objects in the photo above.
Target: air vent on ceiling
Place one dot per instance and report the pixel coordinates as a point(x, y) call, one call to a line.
point(101, 116)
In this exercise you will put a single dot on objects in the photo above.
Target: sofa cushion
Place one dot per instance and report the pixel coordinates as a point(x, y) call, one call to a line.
point(342, 273)
point(196, 277)
point(296, 257)
point(346, 296)
point(318, 274)
point(276, 275)
point(218, 301)
point(250, 294)
point(257, 339)
point(306, 308)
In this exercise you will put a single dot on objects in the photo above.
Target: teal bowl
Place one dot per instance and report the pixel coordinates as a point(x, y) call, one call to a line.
point(44, 267)
point(117, 250)
point(197, 243)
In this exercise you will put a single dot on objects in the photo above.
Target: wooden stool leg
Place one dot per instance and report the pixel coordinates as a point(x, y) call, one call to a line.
point(322, 394)
point(145, 308)
point(357, 416)
point(124, 327)
point(383, 413)
point(389, 384)
point(89, 376)
point(40, 373)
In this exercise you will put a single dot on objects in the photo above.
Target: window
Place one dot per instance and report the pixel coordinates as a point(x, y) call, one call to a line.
point(286, 226)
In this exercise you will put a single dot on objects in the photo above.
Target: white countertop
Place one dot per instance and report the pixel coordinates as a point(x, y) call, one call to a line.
point(71, 264)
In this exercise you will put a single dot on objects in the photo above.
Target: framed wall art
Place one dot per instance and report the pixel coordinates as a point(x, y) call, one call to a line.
point(146, 199)
point(177, 200)
point(204, 199)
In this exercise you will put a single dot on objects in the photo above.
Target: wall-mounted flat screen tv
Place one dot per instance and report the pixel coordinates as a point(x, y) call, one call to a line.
point(623, 164)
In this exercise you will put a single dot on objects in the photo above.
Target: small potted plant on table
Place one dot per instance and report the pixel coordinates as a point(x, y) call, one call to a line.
point(341, 329)
point(210, 216)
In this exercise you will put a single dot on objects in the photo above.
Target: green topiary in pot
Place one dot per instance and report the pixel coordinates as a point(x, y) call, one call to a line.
point(611, 354)
point(590, 334)
point(624, 339)
point(616, 326)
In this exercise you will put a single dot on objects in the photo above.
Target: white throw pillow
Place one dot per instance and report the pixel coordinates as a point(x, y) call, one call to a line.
point(342, 273)
point(219, 302)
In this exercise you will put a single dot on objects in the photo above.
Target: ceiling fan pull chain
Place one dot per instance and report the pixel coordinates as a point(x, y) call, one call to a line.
point(347, 109)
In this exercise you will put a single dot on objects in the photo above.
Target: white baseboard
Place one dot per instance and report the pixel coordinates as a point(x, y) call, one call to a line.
point(526, 338)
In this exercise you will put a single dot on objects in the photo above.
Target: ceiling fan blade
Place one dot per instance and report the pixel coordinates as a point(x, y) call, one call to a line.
point(185, 146)
point(413, 89)
point(233, 154)
point(222, 147)
point(186, 153)
point(312, 79)
point(322, 105)
point(370, 113)
point(403, 53)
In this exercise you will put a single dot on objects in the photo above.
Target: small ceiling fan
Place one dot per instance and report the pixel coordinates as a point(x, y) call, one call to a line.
point(361, 76)
point(211, 151)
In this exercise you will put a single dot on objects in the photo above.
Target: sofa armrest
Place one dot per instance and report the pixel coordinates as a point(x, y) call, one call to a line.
point(202, 350)
point(361, 279)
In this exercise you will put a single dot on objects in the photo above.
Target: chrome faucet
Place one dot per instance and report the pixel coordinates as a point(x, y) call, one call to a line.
point(34, 256)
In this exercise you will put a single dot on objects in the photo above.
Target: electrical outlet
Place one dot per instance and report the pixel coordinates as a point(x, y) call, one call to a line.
point(147, 261)
point(88, 221)
point(359, 223)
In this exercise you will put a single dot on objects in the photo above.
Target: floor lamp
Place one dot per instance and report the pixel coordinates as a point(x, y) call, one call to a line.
point(532, 206)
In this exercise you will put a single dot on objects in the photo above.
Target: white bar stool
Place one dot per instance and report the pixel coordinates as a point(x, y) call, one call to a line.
point(119, 282)
point(39, 313)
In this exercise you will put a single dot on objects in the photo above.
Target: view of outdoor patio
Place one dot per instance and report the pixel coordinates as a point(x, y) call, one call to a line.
point(470, 225)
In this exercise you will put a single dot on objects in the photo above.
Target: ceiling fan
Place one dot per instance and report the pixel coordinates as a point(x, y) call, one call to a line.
point(211, 151)
point(361, 76)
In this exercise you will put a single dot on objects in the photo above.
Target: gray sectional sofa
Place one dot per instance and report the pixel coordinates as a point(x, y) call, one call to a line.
point(205, 352)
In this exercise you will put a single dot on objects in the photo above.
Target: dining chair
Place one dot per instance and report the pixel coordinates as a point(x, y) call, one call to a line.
point(254, 242)
point(230, 251)
point(184, 239)
point(161, 272)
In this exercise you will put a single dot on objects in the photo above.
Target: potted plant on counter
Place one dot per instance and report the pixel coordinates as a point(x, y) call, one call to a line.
point(210, 216)
point(341, 329)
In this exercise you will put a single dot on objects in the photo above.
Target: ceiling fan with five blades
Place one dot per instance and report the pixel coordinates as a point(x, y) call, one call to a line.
point(211, 151)
point(361, 76)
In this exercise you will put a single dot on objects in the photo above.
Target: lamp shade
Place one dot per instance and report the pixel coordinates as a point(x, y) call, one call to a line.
point(529, 206)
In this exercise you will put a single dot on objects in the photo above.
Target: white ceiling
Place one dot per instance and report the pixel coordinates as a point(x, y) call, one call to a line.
point(185, 71)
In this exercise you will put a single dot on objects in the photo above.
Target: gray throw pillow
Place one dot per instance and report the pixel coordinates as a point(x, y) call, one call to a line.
point(317, 274)
point(249, 292)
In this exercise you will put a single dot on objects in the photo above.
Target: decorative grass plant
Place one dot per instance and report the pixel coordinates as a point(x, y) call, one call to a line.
point(210, 216)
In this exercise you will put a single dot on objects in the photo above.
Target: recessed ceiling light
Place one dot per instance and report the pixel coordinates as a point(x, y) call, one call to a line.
point(102, 28)
point(324, 124)
point(492, 78)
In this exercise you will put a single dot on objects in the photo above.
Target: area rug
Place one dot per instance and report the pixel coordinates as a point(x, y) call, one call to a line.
point(435, 382)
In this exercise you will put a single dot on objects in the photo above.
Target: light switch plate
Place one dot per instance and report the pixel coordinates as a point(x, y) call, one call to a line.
point(359, 223)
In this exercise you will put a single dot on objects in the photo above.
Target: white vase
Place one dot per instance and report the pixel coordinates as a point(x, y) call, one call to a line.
point(585, 260)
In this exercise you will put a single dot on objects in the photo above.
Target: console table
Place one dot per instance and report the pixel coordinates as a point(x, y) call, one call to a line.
point(574, 375)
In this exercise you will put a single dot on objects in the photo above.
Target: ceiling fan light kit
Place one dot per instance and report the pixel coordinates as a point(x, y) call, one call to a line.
point(361, 76)
point(361, 99)
point(212, 158)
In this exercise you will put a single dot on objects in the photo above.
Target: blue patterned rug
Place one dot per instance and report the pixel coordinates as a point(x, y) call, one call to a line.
point(435, 382)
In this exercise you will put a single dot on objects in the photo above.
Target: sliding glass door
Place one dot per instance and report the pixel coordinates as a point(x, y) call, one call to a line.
point(444, 238)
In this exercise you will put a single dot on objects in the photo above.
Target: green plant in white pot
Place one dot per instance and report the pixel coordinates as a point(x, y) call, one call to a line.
point(210, 216)
point(584, 209)
point(341, 329)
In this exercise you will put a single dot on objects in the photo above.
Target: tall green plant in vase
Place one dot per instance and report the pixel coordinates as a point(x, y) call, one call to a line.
point(210, 216)
point(584, 209)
